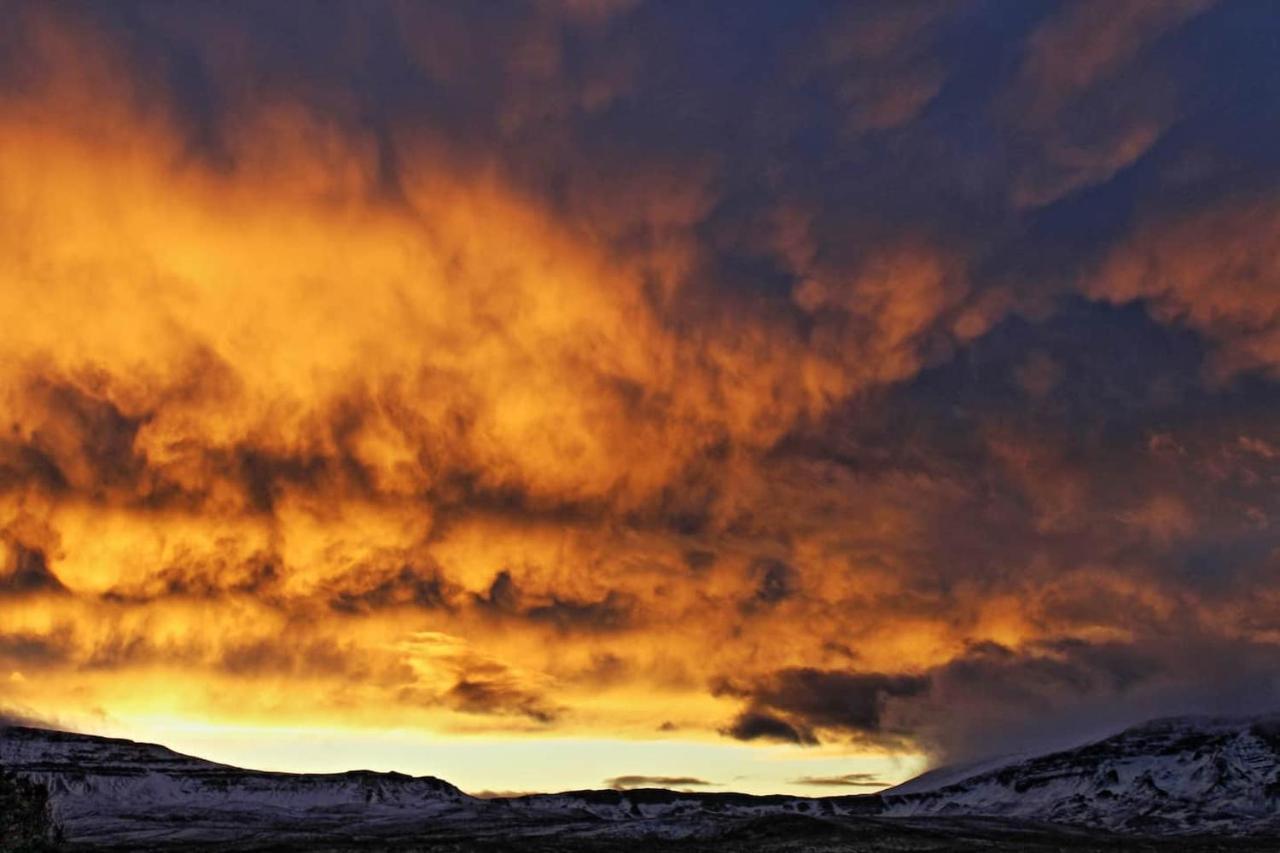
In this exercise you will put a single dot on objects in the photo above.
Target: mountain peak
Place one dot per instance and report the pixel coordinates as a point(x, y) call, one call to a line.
point(1170, 775)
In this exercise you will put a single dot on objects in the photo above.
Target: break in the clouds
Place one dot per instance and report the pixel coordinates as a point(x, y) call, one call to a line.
point(899, 375)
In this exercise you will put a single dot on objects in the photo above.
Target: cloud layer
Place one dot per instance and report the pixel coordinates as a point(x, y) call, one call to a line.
point(899, 375)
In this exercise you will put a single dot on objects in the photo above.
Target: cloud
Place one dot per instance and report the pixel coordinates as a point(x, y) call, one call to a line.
point(880, 61)
point(543, 368)
point(496, 696)
point(791, 704)
point(849, 780)
point(759, 725)
point(611, 612)
point(26, 650)
point(1090, 96)
point(1056, 694)
point(408, 586)
point(775, 582)
point(501, 795)
point(622, 783)
point(28, 571)
point(446, 671)
point(1209, 270)
point(18, 717)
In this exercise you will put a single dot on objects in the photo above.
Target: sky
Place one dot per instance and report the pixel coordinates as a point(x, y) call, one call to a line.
point(547, 394)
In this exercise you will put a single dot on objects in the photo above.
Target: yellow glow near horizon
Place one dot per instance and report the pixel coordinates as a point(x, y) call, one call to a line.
point(511, 765)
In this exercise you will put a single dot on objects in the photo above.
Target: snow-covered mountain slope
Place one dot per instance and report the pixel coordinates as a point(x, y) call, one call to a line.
point(1178, 775)
point(103, 788)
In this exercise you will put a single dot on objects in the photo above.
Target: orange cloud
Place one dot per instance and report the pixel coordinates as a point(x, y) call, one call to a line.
point(1210, 270)
point(1086, 96)
point(321, 408)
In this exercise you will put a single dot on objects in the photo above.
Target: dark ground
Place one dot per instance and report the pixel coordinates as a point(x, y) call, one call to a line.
point(780, 834)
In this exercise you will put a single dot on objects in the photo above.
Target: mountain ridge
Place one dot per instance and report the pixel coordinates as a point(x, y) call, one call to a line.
point(1171, 777)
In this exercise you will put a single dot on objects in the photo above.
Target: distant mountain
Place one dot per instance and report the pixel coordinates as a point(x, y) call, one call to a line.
point(1170, 776)
point(1178, 778)
point(104, 789)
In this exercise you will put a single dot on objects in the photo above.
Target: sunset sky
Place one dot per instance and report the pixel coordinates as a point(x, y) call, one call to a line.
point(765, 396)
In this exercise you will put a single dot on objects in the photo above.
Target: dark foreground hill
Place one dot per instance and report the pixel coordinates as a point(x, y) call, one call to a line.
point(1171, 785)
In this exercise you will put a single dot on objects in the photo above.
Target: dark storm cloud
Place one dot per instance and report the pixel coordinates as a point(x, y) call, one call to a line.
point(407, 586)
point(1055, 694)
point(791, 704)
point(76, 441)
point(518, 80)
point(798, 343)
point(28, 571)
point(594, 86)
point(699, 560)
point(1091, 96)
point(488, 695)
point(759, 725)
point(252, 575)
point(612, 612)
point(503, 595)
point(775, 582)
point(994, 699)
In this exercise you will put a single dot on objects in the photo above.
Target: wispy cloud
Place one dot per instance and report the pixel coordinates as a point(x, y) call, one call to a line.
point(846, 780)
point(640, 781)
